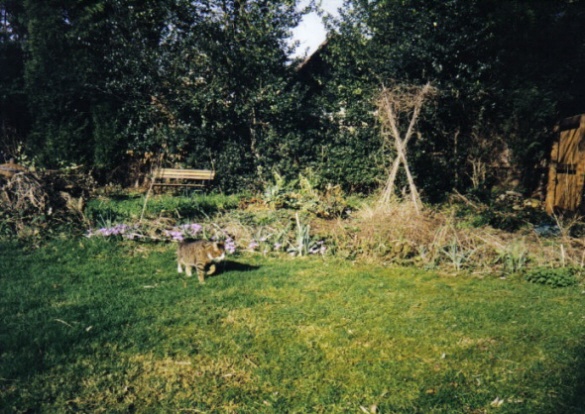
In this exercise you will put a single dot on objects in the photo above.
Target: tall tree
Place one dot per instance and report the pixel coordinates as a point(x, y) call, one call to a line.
point(214, 88)
point(53, 85)
point(224, 84)
point(205, 83)
point(69, 48)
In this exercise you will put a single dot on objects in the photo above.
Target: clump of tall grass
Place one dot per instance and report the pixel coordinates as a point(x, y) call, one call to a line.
point(396, 233)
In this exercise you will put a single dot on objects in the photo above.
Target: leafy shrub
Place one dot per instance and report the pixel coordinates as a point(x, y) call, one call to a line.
point(508, 211)
point(555, 277)
point(513, 256)
point(303, 195)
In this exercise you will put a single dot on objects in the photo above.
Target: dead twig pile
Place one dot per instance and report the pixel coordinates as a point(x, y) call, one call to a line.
point(30, 203)
point(23, 194)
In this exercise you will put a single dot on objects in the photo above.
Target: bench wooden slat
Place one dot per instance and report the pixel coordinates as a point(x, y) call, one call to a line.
point(184, 171)
point(193, 176)
point(166, 172)
point(182, 174)
point(186, 177)
point(179, 185)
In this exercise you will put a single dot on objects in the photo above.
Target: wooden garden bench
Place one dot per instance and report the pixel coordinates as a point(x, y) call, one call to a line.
point(176, 177)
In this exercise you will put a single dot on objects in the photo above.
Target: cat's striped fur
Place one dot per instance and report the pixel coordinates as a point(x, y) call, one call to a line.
point(200, 254)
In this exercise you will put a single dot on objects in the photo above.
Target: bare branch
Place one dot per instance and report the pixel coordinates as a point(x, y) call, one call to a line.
point(393, 105)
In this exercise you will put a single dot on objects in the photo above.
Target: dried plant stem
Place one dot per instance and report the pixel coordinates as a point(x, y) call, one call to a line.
point(146, 201)
point(150, 187)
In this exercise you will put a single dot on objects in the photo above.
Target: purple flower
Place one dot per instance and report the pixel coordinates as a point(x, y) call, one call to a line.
point(191, 229)
point(253, 245)
point(183, 231)
point(174, 234)
point(230, 245)
point(117, 230)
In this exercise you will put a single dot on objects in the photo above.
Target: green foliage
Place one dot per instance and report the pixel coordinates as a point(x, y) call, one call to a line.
point(54, 80)
point(14, 120)
point(199, 82)
point(508, 211)
point(218, 96)
point(553, 277)
point(302, 194)
point(304, 243)
point(514, 257)
point(499, 86)
point(209, 84)
point(457, 255)
point(352, 157)
point(8, 224)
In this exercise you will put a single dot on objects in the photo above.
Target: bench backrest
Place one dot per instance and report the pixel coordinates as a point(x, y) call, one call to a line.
point(177, 173)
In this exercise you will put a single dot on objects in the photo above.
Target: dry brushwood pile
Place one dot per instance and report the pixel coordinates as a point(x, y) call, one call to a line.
point(30, 202)
point(23, 194)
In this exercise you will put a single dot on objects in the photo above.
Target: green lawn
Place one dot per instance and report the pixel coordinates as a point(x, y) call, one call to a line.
point(100, 326)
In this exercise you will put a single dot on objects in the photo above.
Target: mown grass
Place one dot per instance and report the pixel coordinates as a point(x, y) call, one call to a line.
point(128, 207)
point(94, 325)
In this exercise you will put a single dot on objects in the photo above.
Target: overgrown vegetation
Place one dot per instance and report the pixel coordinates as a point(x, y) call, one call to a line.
point(509, 236)
point(34, 205)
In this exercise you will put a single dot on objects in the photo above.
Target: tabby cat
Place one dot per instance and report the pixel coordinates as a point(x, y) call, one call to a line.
point(200, 254)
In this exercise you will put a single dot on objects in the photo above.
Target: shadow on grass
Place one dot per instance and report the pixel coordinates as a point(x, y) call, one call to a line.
point(575, 385)
point(233, 266)
point(457, 393)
